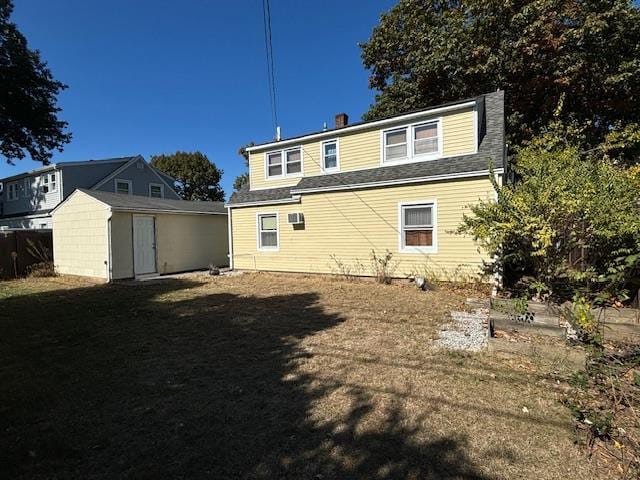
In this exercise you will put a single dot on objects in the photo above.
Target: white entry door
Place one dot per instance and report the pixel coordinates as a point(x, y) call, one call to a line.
point(144, 244)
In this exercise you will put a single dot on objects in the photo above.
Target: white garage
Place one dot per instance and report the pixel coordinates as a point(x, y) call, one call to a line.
point(116, 236)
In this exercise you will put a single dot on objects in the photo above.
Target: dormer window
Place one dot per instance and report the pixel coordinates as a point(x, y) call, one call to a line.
point(330, 156)
point(412, 143)
point(284, 163)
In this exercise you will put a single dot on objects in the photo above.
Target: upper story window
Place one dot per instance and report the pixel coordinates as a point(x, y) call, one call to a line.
point(330, 156)
point(417, 227)
point(27, 188)
point(413, 142)
point(12, 191)
point(48, 183)
point(284, 163)
point(124, 186)
point(156, 190)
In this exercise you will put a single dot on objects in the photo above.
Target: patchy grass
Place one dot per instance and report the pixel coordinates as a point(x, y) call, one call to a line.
point(264, 376)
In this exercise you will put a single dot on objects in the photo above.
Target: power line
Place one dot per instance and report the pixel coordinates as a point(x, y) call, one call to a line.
point(266, 15)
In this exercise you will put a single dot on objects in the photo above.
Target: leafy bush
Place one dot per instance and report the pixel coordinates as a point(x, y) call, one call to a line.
point(565, 204)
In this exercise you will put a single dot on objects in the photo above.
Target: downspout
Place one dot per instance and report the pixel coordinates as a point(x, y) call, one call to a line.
point(230, 237)
point(109, 267)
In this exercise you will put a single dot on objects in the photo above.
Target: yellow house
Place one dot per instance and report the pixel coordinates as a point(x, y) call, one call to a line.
point(326, 201)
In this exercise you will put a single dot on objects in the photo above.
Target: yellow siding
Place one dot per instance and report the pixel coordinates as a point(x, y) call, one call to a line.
point(190, 242)
point(349, 224)
point(183, 242)
point(361, 150)
point(121, 246)
point(80, 240)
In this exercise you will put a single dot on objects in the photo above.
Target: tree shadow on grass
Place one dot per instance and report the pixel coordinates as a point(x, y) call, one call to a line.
point(153, 381)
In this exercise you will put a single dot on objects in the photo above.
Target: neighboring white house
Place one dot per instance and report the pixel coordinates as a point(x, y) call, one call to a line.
point(27, 199)
point(116, 236)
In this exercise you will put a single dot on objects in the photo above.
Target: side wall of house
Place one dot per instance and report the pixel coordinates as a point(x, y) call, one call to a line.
point(80, 237)
point(344, 227)
point(361, 150)
point(183, 242)
point(190, 242)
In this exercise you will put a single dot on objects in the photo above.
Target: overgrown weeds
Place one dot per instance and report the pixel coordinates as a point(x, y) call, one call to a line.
point(604, 401)
point(383, 266)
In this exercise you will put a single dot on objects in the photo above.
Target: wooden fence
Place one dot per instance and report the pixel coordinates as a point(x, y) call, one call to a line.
point(17, 249)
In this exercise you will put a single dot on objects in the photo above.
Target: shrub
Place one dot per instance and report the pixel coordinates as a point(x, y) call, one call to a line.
point(383, 267)
point(571, 220)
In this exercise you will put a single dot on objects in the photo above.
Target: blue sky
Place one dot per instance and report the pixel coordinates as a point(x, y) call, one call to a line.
point(156, 76)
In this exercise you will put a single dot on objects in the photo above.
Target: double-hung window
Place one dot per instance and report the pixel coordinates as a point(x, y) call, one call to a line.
point(12, 191)
point(395, 144)
point(124, 186)
point(425, 138)
point(284, 163)
point(48, 183)
point(156, 190)
point(412, 143)
point(27, 188)
point(268, 231)
point(330, 156)
point(274, 164)
point(294, 161)
point(418, 227)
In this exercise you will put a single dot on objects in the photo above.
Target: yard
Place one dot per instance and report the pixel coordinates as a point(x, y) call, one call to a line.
point(265, 376)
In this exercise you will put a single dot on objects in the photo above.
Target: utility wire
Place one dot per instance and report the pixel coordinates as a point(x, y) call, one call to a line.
point(266, 15)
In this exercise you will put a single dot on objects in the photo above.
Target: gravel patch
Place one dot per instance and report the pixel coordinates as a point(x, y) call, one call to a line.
point(467, 331)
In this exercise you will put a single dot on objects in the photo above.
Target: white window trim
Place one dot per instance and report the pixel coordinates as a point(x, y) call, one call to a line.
point(12, 198)
point(337, 167)
point(258, 236)
point(283, 160)
point(121, 180)
point(156, 185)
point(46, 180)
point(434, 217)
point(411, 156)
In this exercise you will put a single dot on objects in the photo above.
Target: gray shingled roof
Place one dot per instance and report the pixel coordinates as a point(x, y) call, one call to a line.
point(133, 203)
point(490, 149)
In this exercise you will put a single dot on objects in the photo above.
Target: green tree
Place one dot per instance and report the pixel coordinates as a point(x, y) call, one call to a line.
point(567, 203)
point(541, 52)
point(197, 178)
point(28, 95)
point(243, 179)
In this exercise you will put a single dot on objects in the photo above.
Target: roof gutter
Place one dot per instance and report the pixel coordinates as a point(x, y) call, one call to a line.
point(155, 210)
point(292, 199)
point(401, 181)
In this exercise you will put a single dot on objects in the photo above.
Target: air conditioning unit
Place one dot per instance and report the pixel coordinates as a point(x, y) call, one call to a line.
point(296, 218)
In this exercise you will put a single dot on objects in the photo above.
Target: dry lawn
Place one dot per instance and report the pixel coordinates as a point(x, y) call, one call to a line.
point(265, 376)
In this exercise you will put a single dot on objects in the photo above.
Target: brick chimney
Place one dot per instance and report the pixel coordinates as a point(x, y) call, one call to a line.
point(342, 119)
